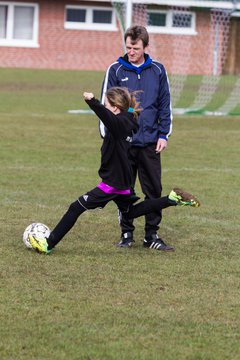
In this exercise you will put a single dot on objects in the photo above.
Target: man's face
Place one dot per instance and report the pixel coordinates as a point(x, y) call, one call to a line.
point(135, 51)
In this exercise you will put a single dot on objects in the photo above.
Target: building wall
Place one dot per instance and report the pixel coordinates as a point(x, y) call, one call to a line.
point(61, 48)
point(95, 50)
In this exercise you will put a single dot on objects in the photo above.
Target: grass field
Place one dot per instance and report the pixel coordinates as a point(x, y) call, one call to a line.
point(89, 300)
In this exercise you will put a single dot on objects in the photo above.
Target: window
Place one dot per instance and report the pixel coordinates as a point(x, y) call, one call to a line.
point(76, 15)
point(157, 19)
point(102, 16)
point(18, 24)
point(3, 21)
point(182, 20)
point(171, 22)
point(90, 18)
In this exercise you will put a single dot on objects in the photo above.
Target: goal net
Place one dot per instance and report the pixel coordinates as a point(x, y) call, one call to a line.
point(193, 46)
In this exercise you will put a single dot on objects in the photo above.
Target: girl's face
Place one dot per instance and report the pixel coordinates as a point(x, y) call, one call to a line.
point(113, 109)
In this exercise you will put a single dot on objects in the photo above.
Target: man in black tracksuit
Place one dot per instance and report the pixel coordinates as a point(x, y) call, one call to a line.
point(137, 71)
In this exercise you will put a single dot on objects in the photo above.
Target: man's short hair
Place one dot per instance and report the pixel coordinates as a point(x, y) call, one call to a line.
point(136, 33)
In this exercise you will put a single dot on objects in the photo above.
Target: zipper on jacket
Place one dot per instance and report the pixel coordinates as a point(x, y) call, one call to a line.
point(139, 77)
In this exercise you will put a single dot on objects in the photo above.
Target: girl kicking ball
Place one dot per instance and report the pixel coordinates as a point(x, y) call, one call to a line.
point(119, 116)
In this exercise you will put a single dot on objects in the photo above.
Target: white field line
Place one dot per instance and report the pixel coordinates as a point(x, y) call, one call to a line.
point(45, 168)
point(204, 169)
point(82, 168)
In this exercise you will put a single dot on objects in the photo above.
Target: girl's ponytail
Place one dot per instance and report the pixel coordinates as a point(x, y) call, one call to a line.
point(134, 104)
point(124, 100)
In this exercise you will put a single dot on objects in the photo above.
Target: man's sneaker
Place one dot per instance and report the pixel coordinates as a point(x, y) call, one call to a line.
point(39, 244)
point(154, 242)
point(183, 198)
point(126, 240)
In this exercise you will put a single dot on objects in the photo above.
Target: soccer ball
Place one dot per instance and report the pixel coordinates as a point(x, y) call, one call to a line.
point(35, 229)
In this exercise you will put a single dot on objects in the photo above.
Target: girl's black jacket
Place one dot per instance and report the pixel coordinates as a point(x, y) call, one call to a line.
point(115, 169)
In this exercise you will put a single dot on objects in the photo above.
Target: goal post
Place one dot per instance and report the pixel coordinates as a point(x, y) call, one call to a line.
point(184, 38)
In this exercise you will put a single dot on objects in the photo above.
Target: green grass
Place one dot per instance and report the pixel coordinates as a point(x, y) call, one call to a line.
point(89, 299)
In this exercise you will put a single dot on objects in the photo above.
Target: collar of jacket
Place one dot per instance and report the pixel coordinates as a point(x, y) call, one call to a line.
point(138, 69)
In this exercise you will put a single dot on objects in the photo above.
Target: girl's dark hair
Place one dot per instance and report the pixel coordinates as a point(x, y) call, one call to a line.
point(136, 33)
point(123, 99)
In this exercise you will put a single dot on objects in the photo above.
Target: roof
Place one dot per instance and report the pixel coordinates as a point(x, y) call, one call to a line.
point(231, 6)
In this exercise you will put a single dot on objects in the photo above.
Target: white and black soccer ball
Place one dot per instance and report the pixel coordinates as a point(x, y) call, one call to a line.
point(35, 229)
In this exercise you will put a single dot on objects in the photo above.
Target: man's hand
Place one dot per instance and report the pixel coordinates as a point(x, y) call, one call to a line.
point(161, 145)
point(88, 96)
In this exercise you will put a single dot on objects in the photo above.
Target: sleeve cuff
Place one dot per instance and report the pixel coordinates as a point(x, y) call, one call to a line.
point(163, 137)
